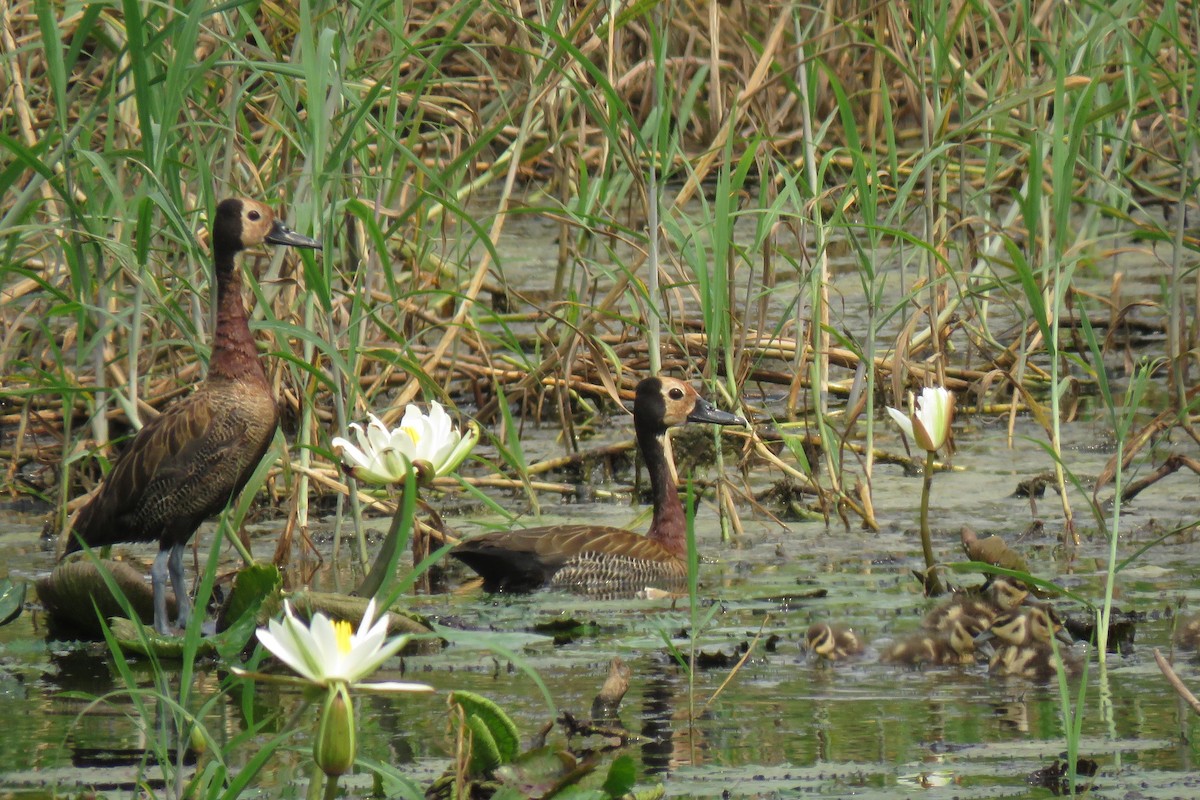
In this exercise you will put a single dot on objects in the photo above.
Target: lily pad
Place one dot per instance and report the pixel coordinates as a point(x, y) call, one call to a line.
point(252, 587)
point(494, 736)
point(74, 592)
point(12, 600)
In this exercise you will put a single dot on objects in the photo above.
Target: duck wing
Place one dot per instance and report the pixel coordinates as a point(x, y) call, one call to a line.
point(177, 471)
point(526, 560)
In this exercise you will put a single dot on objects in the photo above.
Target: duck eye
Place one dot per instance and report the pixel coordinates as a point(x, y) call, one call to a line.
point(676, 393)
point(254, 215)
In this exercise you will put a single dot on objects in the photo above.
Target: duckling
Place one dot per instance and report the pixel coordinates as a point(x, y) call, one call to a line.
point(977, 613)
point(954, 647)
point(1029, 624)
point(1025, 650)
point(832, 642)
point(1187, 633)
point(188, 463)
point(597, 560)
point(992, 550)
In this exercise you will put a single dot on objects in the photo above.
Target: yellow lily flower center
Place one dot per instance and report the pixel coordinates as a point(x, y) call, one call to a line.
point(342, 631)
point(412, 434)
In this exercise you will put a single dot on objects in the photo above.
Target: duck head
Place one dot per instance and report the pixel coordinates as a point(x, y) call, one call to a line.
point(242, 222)
point(663, 402)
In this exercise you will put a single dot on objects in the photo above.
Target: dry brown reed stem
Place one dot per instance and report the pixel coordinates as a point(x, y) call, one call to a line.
point(1175, 681)
point(1163, 422)
point(551, 464)
point(330, 478)
point(738, 666)
point(756, 81)
point(556, 355)
point(1173, 463)
point(456, 325)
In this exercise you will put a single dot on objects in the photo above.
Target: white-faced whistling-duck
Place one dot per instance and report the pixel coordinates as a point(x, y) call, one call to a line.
point(598, 560)
point(188, 463)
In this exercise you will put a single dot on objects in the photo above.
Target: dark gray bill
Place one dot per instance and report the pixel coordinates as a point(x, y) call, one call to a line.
point(282, 234)
point(705, 411)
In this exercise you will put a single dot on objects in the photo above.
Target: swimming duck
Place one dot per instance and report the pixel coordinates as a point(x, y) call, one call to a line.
point(188, 463)
point(1025, 650)
point(1028, 624)
point(991, 550)
point(599, 560)
point(977, 611)
point(1187, 633)
point(952, 647)
point(832, 642)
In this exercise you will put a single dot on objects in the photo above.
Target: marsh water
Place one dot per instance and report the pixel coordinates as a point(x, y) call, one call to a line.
point(783, 724)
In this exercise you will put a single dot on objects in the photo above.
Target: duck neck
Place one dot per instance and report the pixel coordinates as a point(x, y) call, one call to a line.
point(234, 355)
point(669, 526)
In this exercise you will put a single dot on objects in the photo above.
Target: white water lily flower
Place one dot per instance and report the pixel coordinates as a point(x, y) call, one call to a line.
point(429, 442)
point(328, 653)
point(928, 420)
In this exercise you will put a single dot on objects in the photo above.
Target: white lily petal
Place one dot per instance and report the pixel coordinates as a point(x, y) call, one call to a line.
point(304, 642)
point(375, 477)
point(378, 434)
point(286, 654)
point(363, 650)
point(442, 447)
point(411, 414)
point(369, 662)
point(368, 617)
point(332, 658)
point(403, 441)
point(289, 642)
point(461, 450)
point(440, 424)
point(901, 419)
point(370, 627)
point(349, 453)
point(364, 441)
point(394, 686)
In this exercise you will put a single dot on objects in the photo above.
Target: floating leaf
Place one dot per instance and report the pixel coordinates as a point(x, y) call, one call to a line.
point(482, 715)
point(12, 600)
point(251, 587)
point(485, 755)
point(543, 772)
point(621, 777)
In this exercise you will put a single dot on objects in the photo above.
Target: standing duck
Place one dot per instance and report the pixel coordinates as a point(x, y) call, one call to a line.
point(598, 560)
point(188, 463)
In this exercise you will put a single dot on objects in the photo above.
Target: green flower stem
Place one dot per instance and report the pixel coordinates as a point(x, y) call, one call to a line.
point(232, 536)
point(383, 571)
point(316, 780)
point(933, 586)
point(331, 787)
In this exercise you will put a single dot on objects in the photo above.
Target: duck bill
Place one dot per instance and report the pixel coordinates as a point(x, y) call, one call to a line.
point(282, 234)
point(705, 411)
point(983, 643)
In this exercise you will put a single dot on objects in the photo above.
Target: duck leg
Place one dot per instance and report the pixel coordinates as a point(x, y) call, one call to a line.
point(159, 573)
point(183, 600)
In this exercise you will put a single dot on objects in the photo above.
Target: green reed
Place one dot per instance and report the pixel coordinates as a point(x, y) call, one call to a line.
point(171, 712)
point(409, 137)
